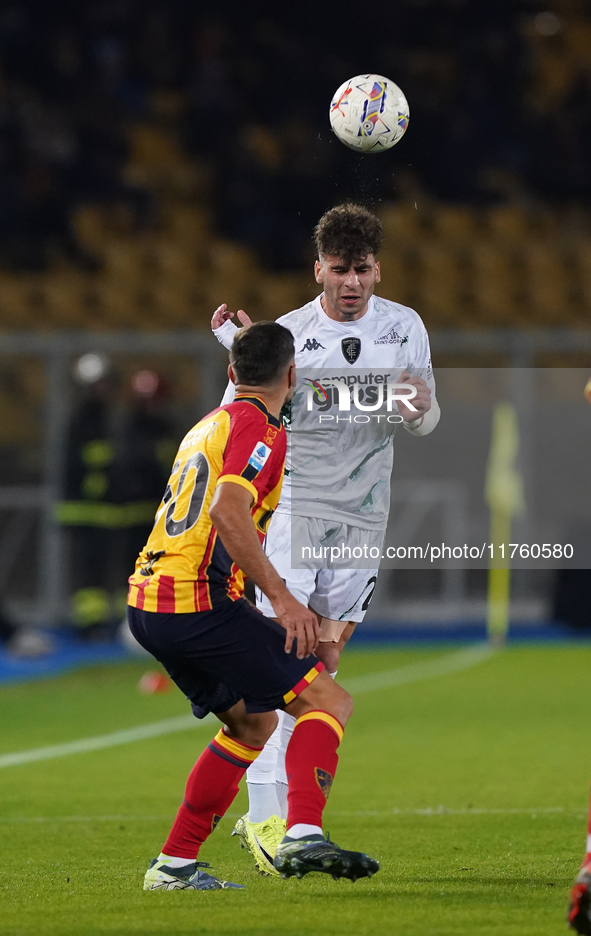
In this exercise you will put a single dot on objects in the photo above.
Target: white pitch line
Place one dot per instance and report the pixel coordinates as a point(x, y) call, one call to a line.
point(440, 666)
point(466, 811)
point(429, 812)
point(99, 742)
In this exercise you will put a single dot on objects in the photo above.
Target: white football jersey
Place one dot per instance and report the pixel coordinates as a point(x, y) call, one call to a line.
point(341, 471)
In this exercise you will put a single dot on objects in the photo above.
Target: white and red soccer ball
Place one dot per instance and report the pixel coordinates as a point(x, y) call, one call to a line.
point(369, 113)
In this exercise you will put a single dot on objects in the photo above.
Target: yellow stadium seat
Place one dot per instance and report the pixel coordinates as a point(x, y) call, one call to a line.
point(20, 302)
point(124, 259)
point(91, 227)
point(546, 285)
point(64, 299)
point(154, 157)
point(189, 224)
point(492, 281)
point(402, 224)
point(582, 278)
point(174, 263)
point(396, 279)
point(455, 225)
point(438, 284)
point(278, 294)
point(507, 224)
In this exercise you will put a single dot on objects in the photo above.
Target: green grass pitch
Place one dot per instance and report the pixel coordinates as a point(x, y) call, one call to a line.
point(471, 788)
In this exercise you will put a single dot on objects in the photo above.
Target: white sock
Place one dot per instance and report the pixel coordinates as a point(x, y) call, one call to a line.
point(263, 801)
point(262, 770)
point(282, 789)
point(266, 778)
point(174, 862)
point(303, 830)
point(287, 726)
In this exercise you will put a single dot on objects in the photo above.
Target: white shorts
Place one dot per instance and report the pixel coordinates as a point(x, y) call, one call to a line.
point(340, 594)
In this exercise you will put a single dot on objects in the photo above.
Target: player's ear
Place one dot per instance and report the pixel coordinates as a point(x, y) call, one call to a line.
point(318, 272)
point(378, 273)
point(231, 374)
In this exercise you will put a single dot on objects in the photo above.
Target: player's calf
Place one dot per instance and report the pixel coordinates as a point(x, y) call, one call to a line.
point(311, 761)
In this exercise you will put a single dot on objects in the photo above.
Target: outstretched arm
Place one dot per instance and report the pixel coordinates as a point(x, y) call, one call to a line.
point(223, 327)
point(230, 514)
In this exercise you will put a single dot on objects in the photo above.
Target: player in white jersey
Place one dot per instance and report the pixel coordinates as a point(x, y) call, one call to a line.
point(337, 480)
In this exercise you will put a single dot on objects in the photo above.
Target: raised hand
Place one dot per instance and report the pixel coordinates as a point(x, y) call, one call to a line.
point(222, 314)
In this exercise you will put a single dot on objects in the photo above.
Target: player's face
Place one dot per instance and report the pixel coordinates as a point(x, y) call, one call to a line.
point(347, 288)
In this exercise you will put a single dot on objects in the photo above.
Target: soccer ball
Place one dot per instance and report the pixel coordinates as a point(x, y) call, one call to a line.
point(369, 113)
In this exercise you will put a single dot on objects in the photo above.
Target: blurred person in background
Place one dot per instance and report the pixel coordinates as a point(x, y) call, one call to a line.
point(145, 447)
point(116, 470)
point(19, 640)
point(88, 510)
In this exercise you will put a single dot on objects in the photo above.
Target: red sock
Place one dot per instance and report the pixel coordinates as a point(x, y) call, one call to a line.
point(211, 788)
point(311, 762)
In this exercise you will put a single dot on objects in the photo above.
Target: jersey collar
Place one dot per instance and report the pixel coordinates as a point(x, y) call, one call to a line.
point(358, 323)
point(260, 405)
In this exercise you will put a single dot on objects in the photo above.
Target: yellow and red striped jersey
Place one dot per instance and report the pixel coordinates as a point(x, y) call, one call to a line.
point(184, 566)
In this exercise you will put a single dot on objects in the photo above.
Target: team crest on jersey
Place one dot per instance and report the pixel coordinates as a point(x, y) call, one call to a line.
point(324, 780)
point(259, 456)
point(270, 435)
point(392, 337)
point(351, 348)
point(310, 344)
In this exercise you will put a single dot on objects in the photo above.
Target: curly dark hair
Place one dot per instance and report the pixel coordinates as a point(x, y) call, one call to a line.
point(348, 231)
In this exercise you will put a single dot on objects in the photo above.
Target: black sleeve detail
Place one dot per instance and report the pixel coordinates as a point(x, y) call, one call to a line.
point(249, 473)
point(263, 521)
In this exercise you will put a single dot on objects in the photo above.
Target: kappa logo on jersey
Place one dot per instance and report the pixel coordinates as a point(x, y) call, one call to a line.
point(259, 456)
point(351, 348)
point(310, 344)
point(392, 337)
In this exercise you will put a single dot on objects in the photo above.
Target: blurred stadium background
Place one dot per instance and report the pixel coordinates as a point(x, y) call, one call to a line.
point(156, 160)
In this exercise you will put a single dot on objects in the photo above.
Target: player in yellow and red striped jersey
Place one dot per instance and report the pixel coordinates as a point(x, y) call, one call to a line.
point(186, 608)
point(184, 565)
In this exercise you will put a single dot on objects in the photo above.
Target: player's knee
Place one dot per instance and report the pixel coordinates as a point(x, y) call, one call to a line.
point(261, 730)
point(324, 694)
point(338, 702)
point(347, 705)
point(254, 730)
